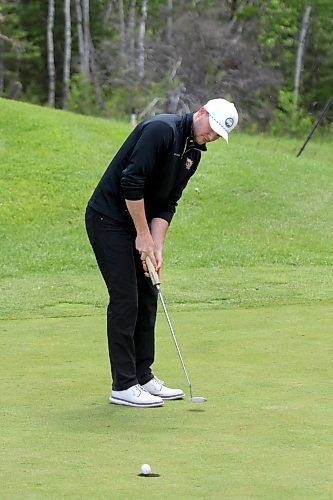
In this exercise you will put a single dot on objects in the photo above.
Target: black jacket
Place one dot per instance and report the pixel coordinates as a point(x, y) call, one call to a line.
point(154, 163)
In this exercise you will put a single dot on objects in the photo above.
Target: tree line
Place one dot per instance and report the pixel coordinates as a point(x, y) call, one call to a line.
point(273, 58)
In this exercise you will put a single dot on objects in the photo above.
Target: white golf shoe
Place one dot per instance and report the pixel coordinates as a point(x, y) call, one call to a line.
point(135, 396)
point(156, 388)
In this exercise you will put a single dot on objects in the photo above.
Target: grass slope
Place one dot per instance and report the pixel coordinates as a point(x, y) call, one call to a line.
point(50, 162)
point(251, 226)
point(250, 203)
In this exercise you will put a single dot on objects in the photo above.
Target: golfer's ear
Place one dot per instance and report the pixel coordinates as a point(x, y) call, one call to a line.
point(202, 111)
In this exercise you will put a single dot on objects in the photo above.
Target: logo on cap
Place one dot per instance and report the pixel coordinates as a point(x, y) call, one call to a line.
point(229, 122)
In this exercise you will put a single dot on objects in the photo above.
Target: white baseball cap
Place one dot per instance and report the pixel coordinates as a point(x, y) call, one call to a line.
point(223, 116)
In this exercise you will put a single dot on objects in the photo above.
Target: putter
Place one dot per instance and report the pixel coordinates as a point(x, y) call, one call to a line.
point(156, 282)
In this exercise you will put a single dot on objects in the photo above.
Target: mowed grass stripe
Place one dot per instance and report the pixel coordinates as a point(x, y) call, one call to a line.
point(72, 294)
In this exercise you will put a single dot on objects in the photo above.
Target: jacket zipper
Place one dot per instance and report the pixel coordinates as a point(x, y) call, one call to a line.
point(186, 150)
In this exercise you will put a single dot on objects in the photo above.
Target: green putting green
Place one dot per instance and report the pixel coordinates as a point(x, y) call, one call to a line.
point(264, 432)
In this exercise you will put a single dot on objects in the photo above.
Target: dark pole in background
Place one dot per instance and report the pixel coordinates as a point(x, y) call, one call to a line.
point(321, 116)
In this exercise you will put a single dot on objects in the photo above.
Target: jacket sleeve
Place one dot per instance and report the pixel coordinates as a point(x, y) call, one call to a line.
point(156, 138)
point(170, 207)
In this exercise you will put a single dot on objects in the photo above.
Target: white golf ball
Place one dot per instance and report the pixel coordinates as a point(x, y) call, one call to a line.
point(145, 469)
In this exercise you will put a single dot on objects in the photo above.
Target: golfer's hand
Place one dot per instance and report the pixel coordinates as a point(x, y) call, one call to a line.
point(159, 261)
point(145, 246)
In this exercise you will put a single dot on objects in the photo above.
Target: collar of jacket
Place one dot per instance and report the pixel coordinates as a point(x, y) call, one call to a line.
point(188, 135)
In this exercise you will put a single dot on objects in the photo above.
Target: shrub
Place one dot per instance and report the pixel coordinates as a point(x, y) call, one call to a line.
point(289, 119)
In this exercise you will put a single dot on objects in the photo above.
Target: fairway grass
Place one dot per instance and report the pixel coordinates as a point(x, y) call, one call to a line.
point(70, 294)
point(265, 431)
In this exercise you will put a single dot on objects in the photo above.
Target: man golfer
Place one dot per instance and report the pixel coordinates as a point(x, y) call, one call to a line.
point(127, 219)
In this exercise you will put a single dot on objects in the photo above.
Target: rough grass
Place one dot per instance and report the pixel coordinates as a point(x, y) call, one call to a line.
point(251, 203)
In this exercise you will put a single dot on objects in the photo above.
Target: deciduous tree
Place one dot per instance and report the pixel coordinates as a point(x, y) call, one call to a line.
point(50, 54)
point(67, 52)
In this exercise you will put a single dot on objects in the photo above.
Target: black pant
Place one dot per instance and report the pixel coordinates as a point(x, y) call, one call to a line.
point(131, 313)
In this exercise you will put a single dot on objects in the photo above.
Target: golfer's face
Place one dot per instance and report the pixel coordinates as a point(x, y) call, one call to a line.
point(203, 132)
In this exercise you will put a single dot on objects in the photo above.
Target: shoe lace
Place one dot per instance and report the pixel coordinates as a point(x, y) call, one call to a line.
point(140, 389)
point(161, 382)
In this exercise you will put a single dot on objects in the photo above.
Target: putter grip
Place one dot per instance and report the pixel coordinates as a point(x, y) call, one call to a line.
point(152, 273)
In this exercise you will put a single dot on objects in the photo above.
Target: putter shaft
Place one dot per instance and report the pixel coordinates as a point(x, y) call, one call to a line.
point(156, 282)
point(174, 337)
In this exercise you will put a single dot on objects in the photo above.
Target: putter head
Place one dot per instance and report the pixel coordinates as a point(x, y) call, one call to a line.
point(197, 399)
